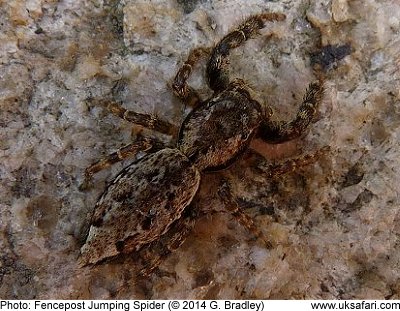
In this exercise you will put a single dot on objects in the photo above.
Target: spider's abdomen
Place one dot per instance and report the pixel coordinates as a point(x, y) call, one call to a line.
point(140, 204)
point(214, 134)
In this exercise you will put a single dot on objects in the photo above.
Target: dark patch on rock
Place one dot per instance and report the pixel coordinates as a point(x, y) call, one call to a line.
point(353, 176)
point(363, 198)
point(203, 278)
point(188, 5)
point(328, 56)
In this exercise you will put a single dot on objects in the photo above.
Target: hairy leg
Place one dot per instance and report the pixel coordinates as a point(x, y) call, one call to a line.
point(143, 144)
point(180, 86)
point(233, 207)
point(149, 121)
point(291, 165)
point(276, 132)
point(217, 70)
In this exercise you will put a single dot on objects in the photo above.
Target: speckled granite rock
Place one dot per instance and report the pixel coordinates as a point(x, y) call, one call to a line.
point(335, 223)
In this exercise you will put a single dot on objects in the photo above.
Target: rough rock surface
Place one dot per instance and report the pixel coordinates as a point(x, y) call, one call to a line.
point(335, 224)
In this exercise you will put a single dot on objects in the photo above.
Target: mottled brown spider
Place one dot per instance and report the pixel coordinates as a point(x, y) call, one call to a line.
point(148, 204)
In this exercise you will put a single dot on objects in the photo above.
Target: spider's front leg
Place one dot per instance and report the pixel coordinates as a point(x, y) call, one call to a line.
point(275, 132)
point(148, 121)
point(180, 86)
point(143, 144)
point(233, 207)
point(217, 71)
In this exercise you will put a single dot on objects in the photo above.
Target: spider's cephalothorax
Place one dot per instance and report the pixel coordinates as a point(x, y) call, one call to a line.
point(148, 205)
point(214, 133)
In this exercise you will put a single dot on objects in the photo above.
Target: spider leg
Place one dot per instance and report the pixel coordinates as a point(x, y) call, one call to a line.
point(149, 121)
point(275, 132)
point(217, 71)
point(154, 254)
point(288, 166)
point(143, 144)
point(233, 207)
point(180, 86)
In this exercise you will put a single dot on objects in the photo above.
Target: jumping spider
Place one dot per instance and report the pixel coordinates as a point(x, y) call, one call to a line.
point(148, 204)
